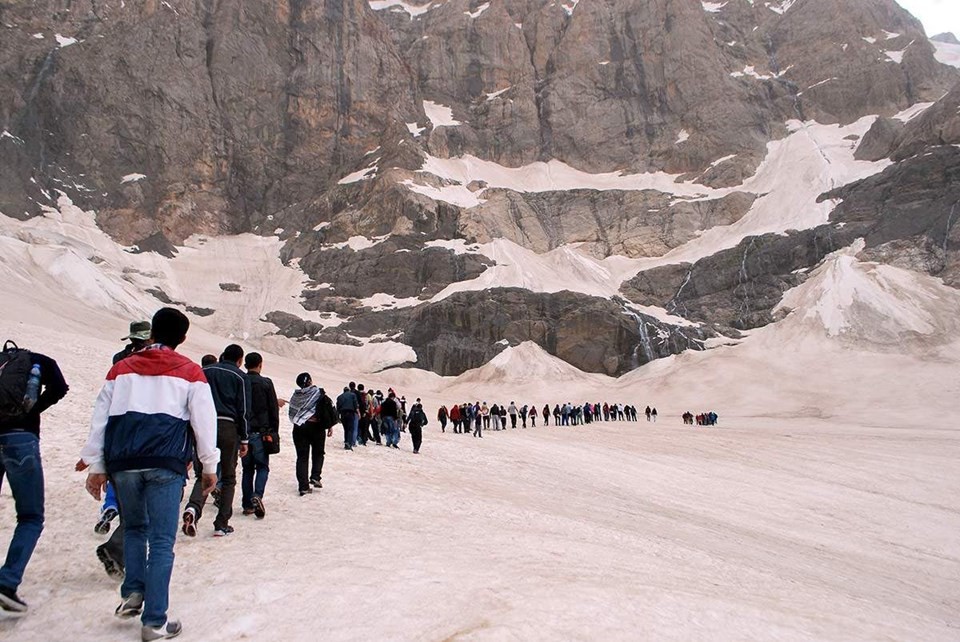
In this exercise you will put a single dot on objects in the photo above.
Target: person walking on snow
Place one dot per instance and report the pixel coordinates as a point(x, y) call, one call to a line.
point(231, 396)
point(347, 409)
point(151, 413)
point(442, 418)
point(20, 463)
point(264, 421)
point(313, 417)
point(417, 420)
point(512, 410)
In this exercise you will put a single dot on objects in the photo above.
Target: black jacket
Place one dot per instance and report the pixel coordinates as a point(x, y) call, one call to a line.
point(390, 408)
point(231, 395)
point(264, 412)
point(53, 388)
point(418, 418)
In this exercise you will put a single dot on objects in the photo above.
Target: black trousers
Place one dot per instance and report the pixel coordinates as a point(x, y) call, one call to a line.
point(309, 436)
point(229, 444)
point(416, 434)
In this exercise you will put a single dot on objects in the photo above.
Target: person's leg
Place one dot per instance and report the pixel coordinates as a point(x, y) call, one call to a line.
point(130, 489)
point(20, 462)
point(249, 468)
point(197, 498)
point(318, 440)
point(346, 420)
point(302, 447)
point(228, 443)
point(161, 493)
point(416, 435)
point(262, 470)
point(376, 431)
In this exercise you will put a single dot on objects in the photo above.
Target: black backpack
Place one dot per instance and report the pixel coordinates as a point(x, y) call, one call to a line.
point(15, 367)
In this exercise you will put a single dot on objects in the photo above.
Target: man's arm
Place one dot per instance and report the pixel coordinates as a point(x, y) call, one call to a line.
point(54, 385)
point(273, 407)
point(246, 403)
point(92, 453)
point(203, 421)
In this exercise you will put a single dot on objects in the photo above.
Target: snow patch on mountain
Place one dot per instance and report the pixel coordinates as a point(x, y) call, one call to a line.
point(947, 53)
point(439, 115)
point(399, 6)
point(526, 364)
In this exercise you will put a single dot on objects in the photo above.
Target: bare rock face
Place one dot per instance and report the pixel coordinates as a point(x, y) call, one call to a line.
point(879, 141)
point(947, 37)
point(229, 112)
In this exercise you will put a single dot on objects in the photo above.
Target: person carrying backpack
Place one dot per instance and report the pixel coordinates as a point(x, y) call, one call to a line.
point(29, 384)
point(313, 417)
point(417, 420)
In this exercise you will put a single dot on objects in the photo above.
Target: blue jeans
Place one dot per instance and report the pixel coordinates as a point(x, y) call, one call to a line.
point(388, 430)
point(150, 504)
point(256, 469)
point(20, 463)
point(109, 498)
point(355, 433)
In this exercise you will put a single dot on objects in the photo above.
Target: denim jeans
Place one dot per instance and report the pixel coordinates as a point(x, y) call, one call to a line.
point(150, 504)
point(390, 431)
point(109, 498)
point(256, 470)
point(20, 463)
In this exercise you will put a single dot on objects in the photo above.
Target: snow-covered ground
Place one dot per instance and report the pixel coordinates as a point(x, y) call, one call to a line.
point(824, 505)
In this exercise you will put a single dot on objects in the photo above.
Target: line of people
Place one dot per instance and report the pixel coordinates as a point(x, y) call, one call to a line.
point(475, 417)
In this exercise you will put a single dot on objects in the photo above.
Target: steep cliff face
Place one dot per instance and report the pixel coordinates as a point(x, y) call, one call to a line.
point(379, 139)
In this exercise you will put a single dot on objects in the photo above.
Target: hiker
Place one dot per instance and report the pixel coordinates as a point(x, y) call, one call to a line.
point(442, 418)
point(313, 417)
point(512, 410)
point(347, 409)
point(533, 415)
point(30, 383)
point(390, 414)
point(231, 396)
point(153, 409)
point(264, 425)
point(653, 413)
point(362, 433)
point(138, 337)
point(418, 419)
point(454, 418)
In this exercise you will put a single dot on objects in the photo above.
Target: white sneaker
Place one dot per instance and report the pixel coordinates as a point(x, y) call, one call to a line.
point(171, 629)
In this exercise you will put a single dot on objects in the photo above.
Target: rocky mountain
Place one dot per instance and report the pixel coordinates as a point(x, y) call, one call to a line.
point(462, 176)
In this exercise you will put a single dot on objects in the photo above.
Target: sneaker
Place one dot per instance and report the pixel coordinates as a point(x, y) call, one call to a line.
point(103, 524)
point(112, 565)
point(416, 452)
point(10, 603)
point(348, 448)
point(130, 606)
point(171, 629)
point(247, 511)
point(215, 493)
point(223, 531)
point(316, 483)
point(258, 508)
point(190, 522)
point(305, 491)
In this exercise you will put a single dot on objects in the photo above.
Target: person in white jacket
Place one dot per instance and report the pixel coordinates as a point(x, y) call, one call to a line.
point(153, 410)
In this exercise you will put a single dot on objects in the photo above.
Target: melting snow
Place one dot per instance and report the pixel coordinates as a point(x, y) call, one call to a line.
point(382, 301)
point(476, 13)
point(782, 8)
point(415, 130)
point(713, 7)
point(912, 112)
point(683, 136)
point(16, 139)
point(946, 53)
point(497, 94)
point(439, 115)
point(38, 36)
point(132, 178)
point(360, 174)
point(64, 41)
point(412, 10)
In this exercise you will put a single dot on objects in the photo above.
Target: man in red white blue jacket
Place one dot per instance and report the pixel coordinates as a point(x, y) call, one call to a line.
point(153, 410)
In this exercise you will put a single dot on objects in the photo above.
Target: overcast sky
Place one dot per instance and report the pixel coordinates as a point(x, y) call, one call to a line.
point(937, 16)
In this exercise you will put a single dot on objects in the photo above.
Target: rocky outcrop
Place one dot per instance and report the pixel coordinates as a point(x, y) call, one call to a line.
point(467, 329)
point(738, 288)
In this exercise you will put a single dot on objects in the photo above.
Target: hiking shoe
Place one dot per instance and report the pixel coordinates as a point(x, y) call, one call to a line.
point(10, 603)
point(223, 531)
point(215, 493)
point(316, 483)
point(112, 565)
point(171, 629)
point(189, 522)
point(305, 491)
point(247, 511)
point(103, 524)
point(130, 606)
point(258, 508)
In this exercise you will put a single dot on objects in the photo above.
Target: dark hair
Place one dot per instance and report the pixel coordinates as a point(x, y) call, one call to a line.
point(208, 360)
point(303, 379)
point(253, 360)
point(360, 387)
point(169, 327)
point(232, 353)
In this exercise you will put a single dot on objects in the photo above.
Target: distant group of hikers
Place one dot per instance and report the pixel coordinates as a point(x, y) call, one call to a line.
point(708, 418)
point(475, 417)
point(159, 415)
